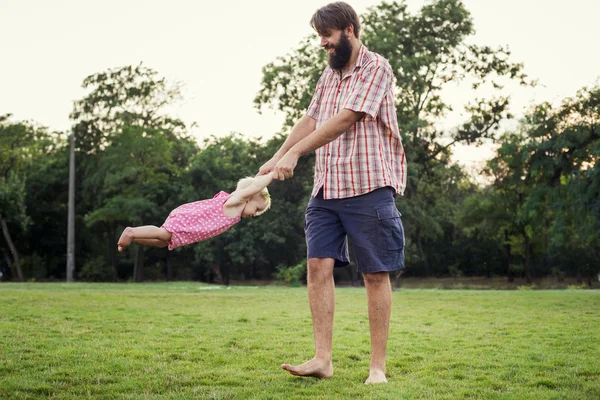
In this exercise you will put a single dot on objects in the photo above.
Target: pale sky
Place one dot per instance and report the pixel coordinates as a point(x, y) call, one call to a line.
point(218, 48)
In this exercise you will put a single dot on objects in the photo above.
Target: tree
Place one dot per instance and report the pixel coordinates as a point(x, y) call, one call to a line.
point(46, 192)
point(427, 51)
point(543, 202)
point(499, 211)
point(275, 238)
point(133, 96)
point(12, 204)
point(124, 106)
point(564, 143)
point(21, 145)
point(136, 170)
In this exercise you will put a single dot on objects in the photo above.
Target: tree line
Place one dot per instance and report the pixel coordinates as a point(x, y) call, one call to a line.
point(538, 214)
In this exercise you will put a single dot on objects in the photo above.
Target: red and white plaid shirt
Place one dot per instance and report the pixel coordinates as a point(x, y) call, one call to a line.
point(369, 155)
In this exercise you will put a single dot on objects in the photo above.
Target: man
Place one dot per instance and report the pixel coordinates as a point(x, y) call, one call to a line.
point(360, 166)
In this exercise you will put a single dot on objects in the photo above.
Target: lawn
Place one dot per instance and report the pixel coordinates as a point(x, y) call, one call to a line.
point(187, 340)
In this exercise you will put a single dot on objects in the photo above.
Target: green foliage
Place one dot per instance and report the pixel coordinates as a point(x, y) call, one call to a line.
point(97, 270)
point(22, 146)
point(131, 154)
point(526, 287)
point(428, 51)
point(133, 172)
point(133, 96)
point(540, 214)
point(253, 248)
point(544, 196)
point(292, 276)
point(12, 201)
point(289, 83)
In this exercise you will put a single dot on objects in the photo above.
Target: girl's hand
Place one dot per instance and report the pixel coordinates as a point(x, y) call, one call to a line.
point(269, 165)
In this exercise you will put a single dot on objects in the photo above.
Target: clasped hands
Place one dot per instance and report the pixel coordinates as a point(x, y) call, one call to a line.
point(282, 168)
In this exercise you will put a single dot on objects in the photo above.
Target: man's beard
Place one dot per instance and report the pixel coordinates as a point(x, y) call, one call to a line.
point(342, 53)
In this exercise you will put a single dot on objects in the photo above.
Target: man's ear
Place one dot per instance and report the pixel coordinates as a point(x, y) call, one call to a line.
point(349, 31)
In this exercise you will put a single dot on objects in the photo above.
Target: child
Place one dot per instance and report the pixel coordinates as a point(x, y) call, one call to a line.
point(201, 220)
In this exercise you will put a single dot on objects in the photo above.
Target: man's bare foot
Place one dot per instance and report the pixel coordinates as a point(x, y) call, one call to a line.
point(125, 239)
point(376, 376)
point(315, 367)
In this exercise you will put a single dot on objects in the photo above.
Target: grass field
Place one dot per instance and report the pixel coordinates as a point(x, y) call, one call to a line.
point(188, 340)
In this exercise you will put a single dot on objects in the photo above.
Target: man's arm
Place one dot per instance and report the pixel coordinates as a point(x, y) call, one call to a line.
point(304, 127)
point(329, 131)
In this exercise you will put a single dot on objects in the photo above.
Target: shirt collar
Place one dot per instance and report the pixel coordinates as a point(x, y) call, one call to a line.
point(359, 61)
point(361, 55)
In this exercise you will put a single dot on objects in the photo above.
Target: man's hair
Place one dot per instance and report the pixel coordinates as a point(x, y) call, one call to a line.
point(338, 15)
point(247, 181)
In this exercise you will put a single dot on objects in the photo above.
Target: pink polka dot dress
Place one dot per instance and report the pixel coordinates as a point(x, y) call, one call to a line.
point(200, 220)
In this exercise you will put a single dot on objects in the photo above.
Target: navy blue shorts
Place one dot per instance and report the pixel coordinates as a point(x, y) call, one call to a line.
point(371, 222)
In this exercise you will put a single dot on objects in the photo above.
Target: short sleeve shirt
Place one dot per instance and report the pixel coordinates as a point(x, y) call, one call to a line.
point(369, 155)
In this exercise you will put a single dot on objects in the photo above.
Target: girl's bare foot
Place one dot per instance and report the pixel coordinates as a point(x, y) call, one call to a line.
point(125, 239)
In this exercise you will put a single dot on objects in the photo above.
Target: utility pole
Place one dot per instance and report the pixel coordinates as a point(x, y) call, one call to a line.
point(71, 212)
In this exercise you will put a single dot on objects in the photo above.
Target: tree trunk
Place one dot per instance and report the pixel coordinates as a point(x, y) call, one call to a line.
point(226, 275)
point(507, 257)
point(138, 269)
point(422, 253)
point(169, 268)
point(8, 265)
point(526, 267)
point(216, 268)
point(13, 250)
point(112, 250)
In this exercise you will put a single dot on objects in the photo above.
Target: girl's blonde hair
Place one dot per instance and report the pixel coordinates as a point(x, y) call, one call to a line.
point(247, 181)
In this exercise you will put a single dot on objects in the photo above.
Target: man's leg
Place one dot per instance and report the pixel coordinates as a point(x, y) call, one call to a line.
point(379, 297)
point(321, 296)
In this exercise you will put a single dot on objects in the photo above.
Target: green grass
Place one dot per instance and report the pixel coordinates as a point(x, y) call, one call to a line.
point(181, 341)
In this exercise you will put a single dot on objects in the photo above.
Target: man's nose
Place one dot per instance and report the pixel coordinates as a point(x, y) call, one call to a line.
point(323, 42)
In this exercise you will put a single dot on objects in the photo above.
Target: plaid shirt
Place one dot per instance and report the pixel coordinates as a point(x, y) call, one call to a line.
point(369, 155)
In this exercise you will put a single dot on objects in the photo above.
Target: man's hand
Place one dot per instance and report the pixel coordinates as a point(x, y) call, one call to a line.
point(268, 166)
point(284, 169)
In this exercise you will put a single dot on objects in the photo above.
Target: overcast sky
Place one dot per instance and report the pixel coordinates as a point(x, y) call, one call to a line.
point(218, 48)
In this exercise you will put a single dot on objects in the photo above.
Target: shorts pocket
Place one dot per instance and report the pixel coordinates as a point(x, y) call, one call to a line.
point(391, 227)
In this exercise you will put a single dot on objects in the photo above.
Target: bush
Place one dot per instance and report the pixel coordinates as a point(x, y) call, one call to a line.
point(527, 287)
point(292, 276)
point(33, 266)
point(97, 270)
point(455, 271)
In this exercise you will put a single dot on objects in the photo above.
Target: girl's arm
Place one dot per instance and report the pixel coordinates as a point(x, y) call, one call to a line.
point(243, 195)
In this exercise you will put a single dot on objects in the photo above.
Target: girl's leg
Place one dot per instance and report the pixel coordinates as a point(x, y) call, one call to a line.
point(152, 242)
point(142, 232)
